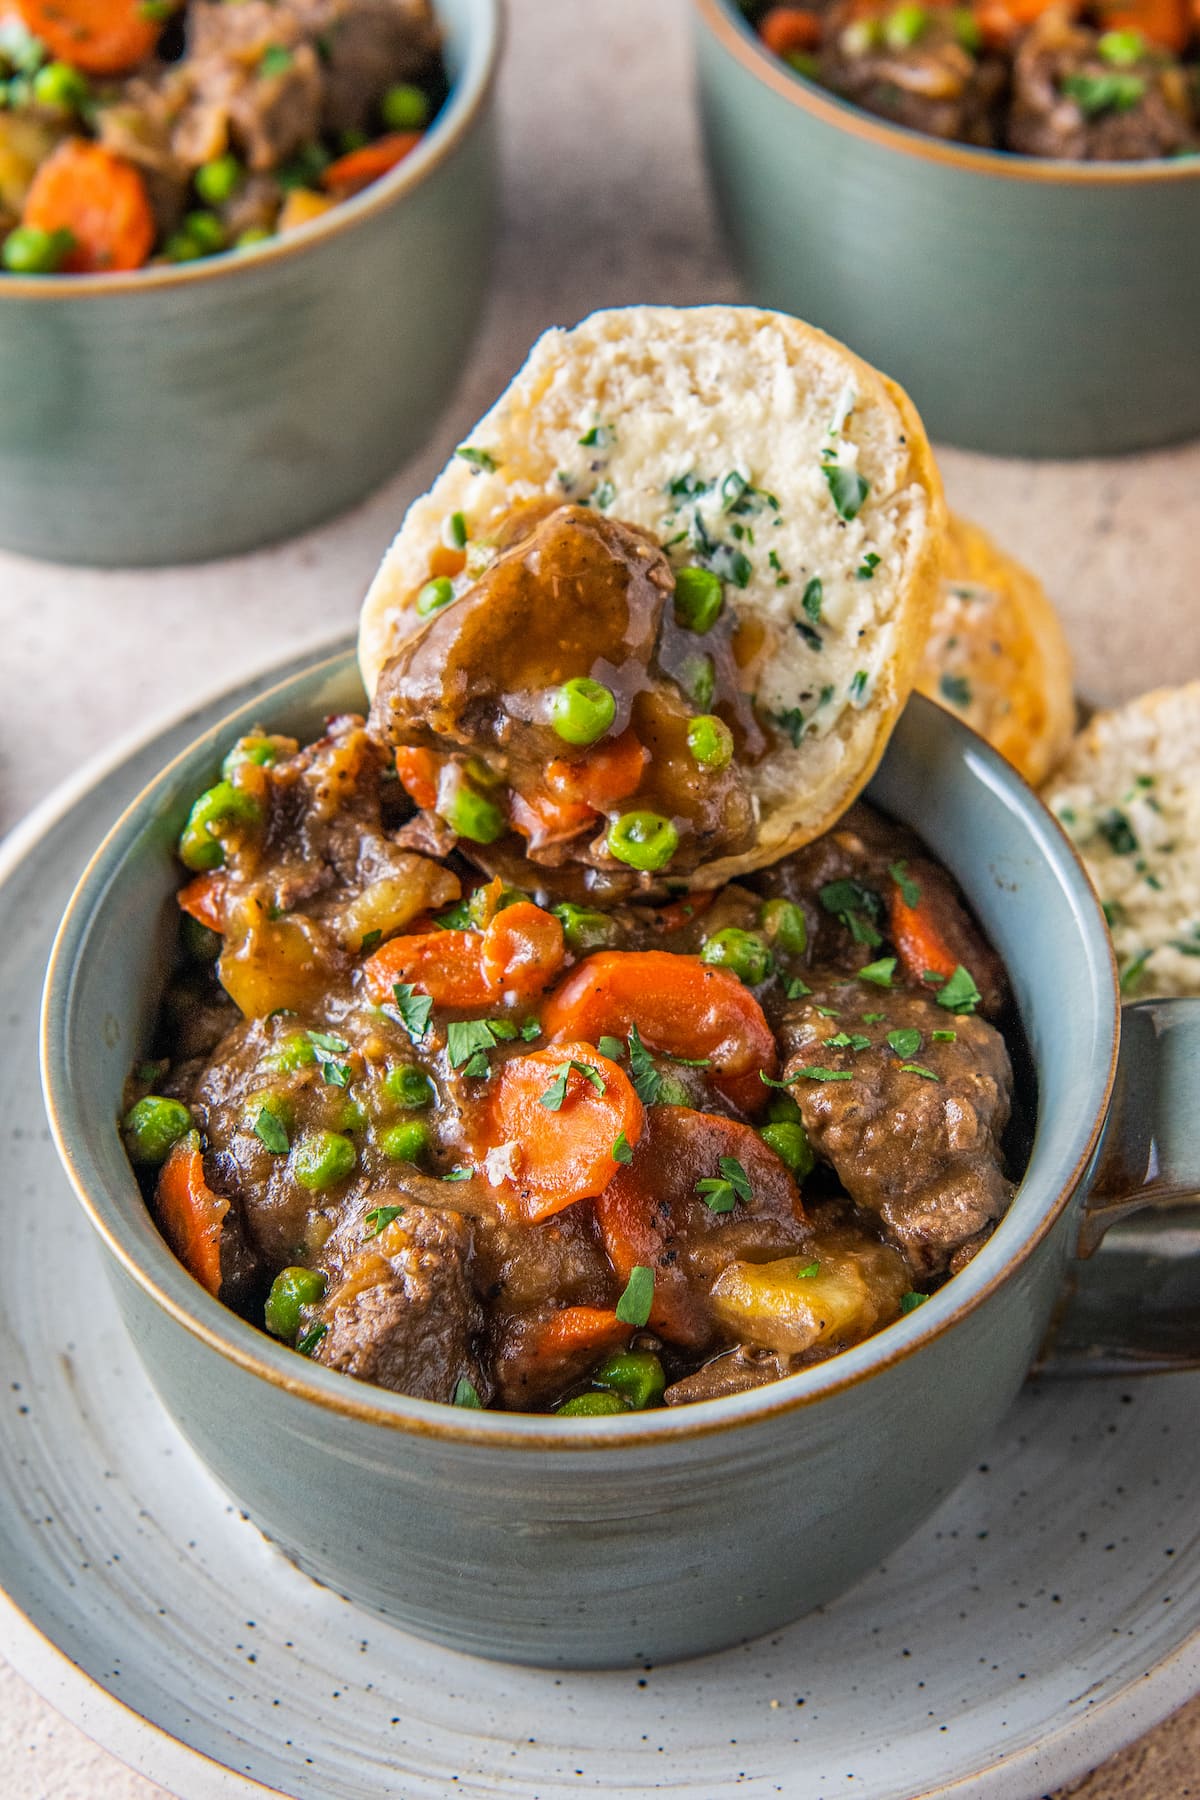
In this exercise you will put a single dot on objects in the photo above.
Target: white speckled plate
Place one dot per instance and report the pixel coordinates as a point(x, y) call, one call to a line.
point(1048, 1614)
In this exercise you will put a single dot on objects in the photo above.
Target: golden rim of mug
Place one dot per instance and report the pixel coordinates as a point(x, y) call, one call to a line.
point(450, 129)
point(736, 36)
point(342, 1395)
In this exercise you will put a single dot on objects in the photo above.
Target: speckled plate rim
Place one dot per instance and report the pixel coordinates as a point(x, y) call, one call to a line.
point(153, 1268)
point(730, 29)
point(1025, 1775)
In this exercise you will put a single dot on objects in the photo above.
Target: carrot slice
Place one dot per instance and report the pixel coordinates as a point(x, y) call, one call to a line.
point(560, 1126)
point(545, 820)
point(1001, 21)
point(680, 1005)
point(101, 37)
point(191, 1215)
point(937, 934)
point(606, 774)
point(101, 200)
point(204, 900)
point(522, 951)
point(651, 1213)
point(593, 1328)
point(1163, 22)
point(919, 943)
point(418, 772)
point(359, 168)
point(786, 29)
point(443, 964)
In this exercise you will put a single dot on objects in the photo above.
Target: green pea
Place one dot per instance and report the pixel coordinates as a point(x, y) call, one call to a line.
point(223, 806)
point(804, 63)
point(699, 597)
point(199, 943)
point(264, 752)
point(782, 1109)
point(966, 31)
point(253, 234)
point(584, 930)
point(637, 1375)
point(743, 953)
point(698, 679)
point(218, 180)
point(182, 247)
point(291, 1290)
point(291, 1053)
point(1120, 48)
point(904, 25)
point(152, 1125)
point(350, 1115)
point(60, 86)
point(581, 710)
point(408, 1086)
point(410, 1142)
point(404, 108)
point(644, 840)
point(789, 1140)
point(472, 815)
point(353, 139)
point(591, 1406)
point(710, 741)
point(323, 1158)
point(434, 595)
point(785, 926)
point(28, 251)
point(206, 230)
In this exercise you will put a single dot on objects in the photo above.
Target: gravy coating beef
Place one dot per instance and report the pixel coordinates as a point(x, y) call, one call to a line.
point(487, 1151)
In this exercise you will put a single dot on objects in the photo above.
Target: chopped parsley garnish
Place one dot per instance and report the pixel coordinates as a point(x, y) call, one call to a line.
point(905, 1041)
point(275, 60)
point(845, 1041)
point(848, 488)
point(828, 1012)
point(856, 906)
point(912, 1068)
point(732, 489)
point(529, 1030)
point(1117, 832)
point(633, 1308)
point(910, 891)
point(604, 495)
point(812, 638)
point(647, 1081)
point(371, 941)
point(466, 1394)
point(1116, 90)
point(955, 689)
point(414, 1009)
point(879, 973)
point(379, 1218)
point(959, 994)
point(612, 1047)
point(458, 1175)
point(873, 1018)
point(791, 723)
point(933, 978)
point(457, 528)
point(457, 918)
point(478, 459)
point(857, 689)
point(867, 567)
point(556, 1093)
point(816, 1073)
point(814, 595)
point(729, 564)
point(598, 438)
point(826, 695)
point(909, 1302)
point(944, 1037)
point(468, 1042)
point(311, 1339)
point(795, 989)
point(329, 1048)
point(808, 1271)
point(721, 1194)
point(270, 1130)
point(1132, 972)
point(622, 1149)
point(688, 487)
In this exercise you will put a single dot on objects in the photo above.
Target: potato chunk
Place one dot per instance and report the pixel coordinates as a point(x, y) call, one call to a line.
point(855, 1291)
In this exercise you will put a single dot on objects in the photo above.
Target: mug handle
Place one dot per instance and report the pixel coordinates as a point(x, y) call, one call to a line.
point(1135, 1308)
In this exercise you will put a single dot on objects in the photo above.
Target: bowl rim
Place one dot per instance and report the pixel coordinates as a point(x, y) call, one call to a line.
point(733, 31)
point(153, 1268)
point(453, 124)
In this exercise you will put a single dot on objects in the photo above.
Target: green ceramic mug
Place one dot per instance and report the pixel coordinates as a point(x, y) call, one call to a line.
point(1031, 307)
point(598, 1542)
point(180, 413)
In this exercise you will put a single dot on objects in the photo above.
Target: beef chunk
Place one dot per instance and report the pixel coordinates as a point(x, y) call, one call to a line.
point(734, 1372)
point(1067, 101)
point(404, 1315)
point(937, 84)
point(912, 1126)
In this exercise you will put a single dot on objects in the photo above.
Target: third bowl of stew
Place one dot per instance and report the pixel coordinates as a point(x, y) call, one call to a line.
point(832, 1132)
point(1000, 216)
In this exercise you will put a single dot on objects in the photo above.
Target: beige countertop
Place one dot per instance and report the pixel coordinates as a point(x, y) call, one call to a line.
point(605, 204)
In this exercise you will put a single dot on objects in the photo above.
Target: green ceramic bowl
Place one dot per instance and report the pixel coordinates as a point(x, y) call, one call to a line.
point(1030, 307)
point(182, 413)
point(596, 1542)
